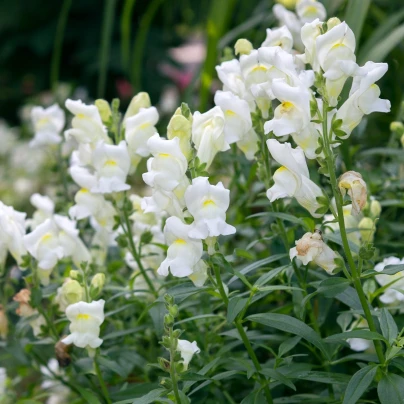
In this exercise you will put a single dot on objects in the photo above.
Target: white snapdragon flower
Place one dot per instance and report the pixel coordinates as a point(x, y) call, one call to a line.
point(58, 392)
point(208, 134)
point(292, 116)
point(208, 205)
point(309, 10)
point(85, 321)
point(279, 37)
point(310, 32)
point(292, 178)
point(352, 183)
point(359, 344)
point(139, 129)
point(237, 116)
point(187, 350)
point(392, 294)
point(363, 97)
point(183, 252)
point(48, 124)
point(229, 74)
point(45, 208)
point(3, 381)
point(53, 240)
point(249, 144)
point(12, 231)
point(167, 167)
point(291, 21)
point(112, 164)
point(311, 248)
point(200, 274)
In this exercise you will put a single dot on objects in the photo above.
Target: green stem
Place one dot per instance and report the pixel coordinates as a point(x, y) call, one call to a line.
point(57, 45)
point(173, 371)
point(102, 382)
point(125, 33)
point(106, 36)
point(339, 203)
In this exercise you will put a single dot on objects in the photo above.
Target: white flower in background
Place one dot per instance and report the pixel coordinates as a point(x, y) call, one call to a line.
point(391, 295)
point(53, 240)
point(309, 10)
point(291, 21)
point(208, 205)
point(12, 231)
point(87, 126)
point(208, 134)
point(85, 321)
point(279, 37)
point(310, 32)
point(168, 166)
point(237, 116)
point(359, 344)
point(187, 350)
point(48, 124)
point(311, 248)
point(292, 178)
point(200, 274)
point(45, 208)
point(140, 100)
point(229, 74)
point(183, 252)
point(59, 393)
point(142, 221)
point(352, 183)
point(334, 51)
point(249, 144)
point(139, 129)
point(293, 114)
point(25, 310)
point(363, 97)
point(9, 137)
point(112, 164)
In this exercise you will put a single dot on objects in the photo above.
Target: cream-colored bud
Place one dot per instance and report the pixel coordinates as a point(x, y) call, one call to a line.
point(98, 281)
point(352, 183)
point(375, 208)
point(243, 47)
point(180, 127)
point(3, 323)
point(140, 100)
point(72, 291)
point(333, 22)
point(367, 229)
point(104, 109)
point(397, 126)
point(74, 274)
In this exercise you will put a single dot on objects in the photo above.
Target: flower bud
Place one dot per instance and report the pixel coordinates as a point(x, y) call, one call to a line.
point(74, 274)
point(397, 127)
point(173, 310)
point(72, 291)
point(3, 323)
point(375, 208)
point(352, 182)
point(243, 47)
point(104, 109)
point(367, 229)
point(140, 100)
point(98, 281)
point(168, 320)
point(179, 126)
point(333, 22)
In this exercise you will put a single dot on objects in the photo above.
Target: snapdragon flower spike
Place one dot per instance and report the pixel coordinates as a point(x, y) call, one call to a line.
point(139, 129)
point(112, 164)
point(85, 321)
point(363, 97)
point(292, 178)
point(167, 168)
point(48, 124)
point(352, 183)
point(187, 350)
point(12, 231)
point(208, 134)
point(279, 37)
point(208, 205)
point(393, 294)
point(311, 248)
point(183, 251)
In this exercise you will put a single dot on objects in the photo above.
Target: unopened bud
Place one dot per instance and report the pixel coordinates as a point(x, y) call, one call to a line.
point(72, 291)
point(179, 126)
point(74, 274)
point(397, 127)
point(104, 109)
point(333, 22)
point(173, 310)
point(367, 229)
point(98, 281)
point(168, 320)
point(140, 100)
point(375, 208)
point(243, 47)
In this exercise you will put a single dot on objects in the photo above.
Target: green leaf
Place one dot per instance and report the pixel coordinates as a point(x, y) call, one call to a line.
point(388, 326)
point(277, 287)
point(236, 304)
point(291, 325)
point(193, 377)
point(364, 334)
point(391, 389)
point(288, 345)
point(355, 16)
point(200, 317)
point(112, 365)
point(325, 377)
point(358, 384)
point(150, 397)
point(87, 395)
point(333, 286)
point(273, 374)
point(383, 151)
point(388, 270)
point(273, 273)
point(239, 252)
point(283, 216)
